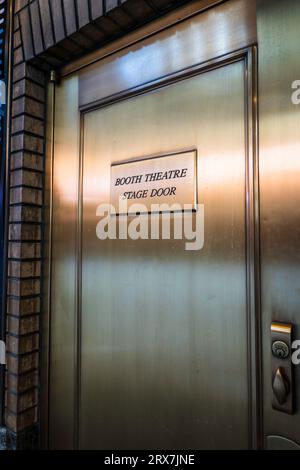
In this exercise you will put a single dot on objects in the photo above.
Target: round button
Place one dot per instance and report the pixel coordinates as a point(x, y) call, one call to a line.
point(280, 349)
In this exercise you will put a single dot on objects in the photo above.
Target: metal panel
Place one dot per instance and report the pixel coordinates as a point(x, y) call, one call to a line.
point(65, 390)
point(46, 317)
point(63, 267)
point(47, 27)
point(213, 33)
point(36, 28)
point(278, 34)
point(96, 8)
point(164, 331)
point(58, 20)
point(82, 8)
point(70, 16)
point(26, 33)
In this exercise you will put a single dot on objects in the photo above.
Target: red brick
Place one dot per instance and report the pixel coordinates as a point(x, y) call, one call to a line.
point(22, 326)
point(22, 344)
point(22, 382)
point(22, 364)
point(24, 232)
point(23, 250)
point(23, 307)
point(24, 269)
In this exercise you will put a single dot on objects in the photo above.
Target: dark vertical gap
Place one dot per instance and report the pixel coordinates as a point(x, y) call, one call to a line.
point(43, 275)
point(66, 52)
point(78, 315)
point(64, 18)
point(31, 29)
point(22, 41)
point(152, 6)
point(31, 33)
point(90, 10)
point(7, 52)
point(76, 14)
point(52, 22)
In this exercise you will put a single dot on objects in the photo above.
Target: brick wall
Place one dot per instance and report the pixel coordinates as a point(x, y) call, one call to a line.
point(24, 244)
point(46, 34)
point(3, 80)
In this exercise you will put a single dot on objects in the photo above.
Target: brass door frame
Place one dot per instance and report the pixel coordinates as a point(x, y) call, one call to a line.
point(249, 56)
point(46, 317)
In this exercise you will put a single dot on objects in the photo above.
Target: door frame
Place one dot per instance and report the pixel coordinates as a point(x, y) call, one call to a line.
point(249, 57)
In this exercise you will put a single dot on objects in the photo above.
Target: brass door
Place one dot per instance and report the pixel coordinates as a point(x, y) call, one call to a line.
point(153, 346)
point(164, 330)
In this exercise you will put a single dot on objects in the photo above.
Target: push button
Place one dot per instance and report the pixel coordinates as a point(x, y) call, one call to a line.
point(280, 349)
point(281, 367)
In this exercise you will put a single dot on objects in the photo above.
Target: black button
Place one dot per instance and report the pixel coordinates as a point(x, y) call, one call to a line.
point(280, 349)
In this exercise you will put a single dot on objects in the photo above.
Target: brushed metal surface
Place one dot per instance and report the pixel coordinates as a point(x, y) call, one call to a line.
point(212, 33)
point(46, 314)
point(63, 270)
point(164, 361)
point(278, 37)
point(231, 100)
point(278, 31)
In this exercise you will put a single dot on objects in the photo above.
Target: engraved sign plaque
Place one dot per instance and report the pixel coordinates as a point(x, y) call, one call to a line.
point(167, 179)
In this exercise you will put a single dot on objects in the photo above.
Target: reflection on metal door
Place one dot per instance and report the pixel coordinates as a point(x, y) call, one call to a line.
point(163, 357)
point(163, 330)
point(151, 345)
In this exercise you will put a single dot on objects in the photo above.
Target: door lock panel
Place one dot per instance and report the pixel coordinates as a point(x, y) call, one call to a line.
point(281, 366)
